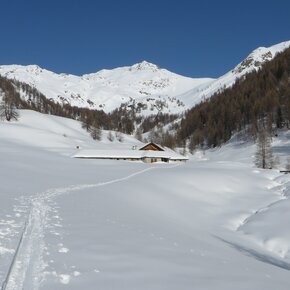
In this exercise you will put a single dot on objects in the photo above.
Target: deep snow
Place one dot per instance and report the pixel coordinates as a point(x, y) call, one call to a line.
point(216, 222)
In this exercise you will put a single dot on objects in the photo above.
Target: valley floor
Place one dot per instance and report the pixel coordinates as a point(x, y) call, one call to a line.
point(208, 224)
point(215, 222)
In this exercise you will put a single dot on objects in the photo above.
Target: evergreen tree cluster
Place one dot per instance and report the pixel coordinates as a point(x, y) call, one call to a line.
point(261, 96)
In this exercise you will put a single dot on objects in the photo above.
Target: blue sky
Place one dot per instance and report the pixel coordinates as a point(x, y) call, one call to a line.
point(193, 38)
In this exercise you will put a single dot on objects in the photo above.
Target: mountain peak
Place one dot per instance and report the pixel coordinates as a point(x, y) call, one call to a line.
point(23, 69)
point(259, 56)
point(145, 65)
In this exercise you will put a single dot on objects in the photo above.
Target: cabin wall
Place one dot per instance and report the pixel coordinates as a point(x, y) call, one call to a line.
point(151, 159)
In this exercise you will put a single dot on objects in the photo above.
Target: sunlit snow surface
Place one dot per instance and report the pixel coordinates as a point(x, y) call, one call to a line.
point(215, 222)
point(108, 89)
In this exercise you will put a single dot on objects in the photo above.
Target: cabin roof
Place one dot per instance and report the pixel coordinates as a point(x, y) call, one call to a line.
point(157, 146)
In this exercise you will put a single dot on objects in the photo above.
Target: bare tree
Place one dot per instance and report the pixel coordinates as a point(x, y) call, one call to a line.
point(288, 164)
point(138, 134)
point(86, 124)
point(264, 155)
point(8, 109)
point(110, 136)
point(96, 133)
point(276, 162)
point(119, 136)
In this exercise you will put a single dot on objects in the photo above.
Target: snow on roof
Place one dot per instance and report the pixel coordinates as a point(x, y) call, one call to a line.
point(128, 154)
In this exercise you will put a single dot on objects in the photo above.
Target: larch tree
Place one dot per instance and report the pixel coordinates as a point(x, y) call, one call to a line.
point(96, 133)
point(110, 136)
point(8, 110)
point(264, 155)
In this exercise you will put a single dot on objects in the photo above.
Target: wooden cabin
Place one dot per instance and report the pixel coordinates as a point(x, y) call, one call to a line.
point(149, 153)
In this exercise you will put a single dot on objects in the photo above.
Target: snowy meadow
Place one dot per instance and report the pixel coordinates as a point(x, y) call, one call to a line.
point(216, 222)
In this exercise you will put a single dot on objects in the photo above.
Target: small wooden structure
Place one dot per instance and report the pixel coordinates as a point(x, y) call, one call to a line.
point(152, 154)
point(149, 153)
point(152, 146)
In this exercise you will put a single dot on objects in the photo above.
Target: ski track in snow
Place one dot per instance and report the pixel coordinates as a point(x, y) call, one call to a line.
point(27, 265)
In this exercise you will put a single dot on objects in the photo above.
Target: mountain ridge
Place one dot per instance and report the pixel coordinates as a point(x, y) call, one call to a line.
point(154, 89)
point(105, 89)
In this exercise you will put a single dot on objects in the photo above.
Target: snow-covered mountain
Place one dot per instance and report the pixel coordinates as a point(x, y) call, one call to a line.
point(107, 89)
point(144, 85)
point(254, 61)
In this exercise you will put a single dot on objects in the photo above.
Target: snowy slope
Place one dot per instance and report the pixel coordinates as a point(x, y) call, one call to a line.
point(253, 62)
point(215, 222)
point(144, 83)
point(58, 134)
point(107, 89)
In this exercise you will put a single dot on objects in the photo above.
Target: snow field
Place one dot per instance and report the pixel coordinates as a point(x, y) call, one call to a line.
point(215, 222)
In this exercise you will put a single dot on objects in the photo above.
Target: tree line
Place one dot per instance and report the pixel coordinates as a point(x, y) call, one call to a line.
point(259, 99)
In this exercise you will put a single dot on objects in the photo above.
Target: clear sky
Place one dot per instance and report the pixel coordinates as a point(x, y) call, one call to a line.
point(194, 38)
